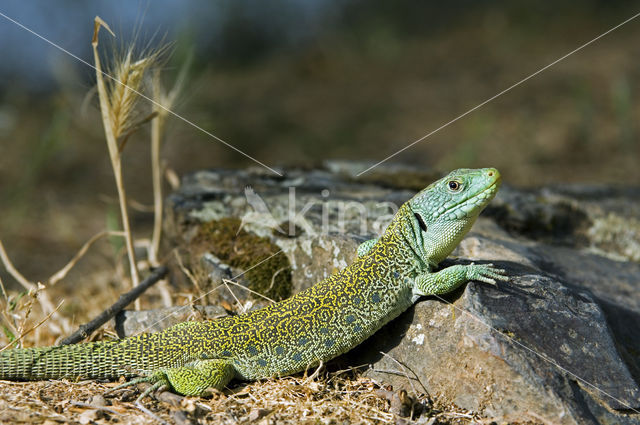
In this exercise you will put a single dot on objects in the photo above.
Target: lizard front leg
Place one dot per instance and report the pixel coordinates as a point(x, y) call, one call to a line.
point(450, 278)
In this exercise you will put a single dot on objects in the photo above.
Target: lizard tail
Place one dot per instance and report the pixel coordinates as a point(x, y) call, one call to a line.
point(92, 360)
point(128, 357)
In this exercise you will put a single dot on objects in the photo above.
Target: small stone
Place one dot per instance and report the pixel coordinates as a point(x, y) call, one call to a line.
point(98, 400)
point(401, 404)
point(258, 413)
point(181, 417)
point(88, 416)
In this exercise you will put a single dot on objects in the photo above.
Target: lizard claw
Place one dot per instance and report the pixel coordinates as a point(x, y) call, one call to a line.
point(159, 386)
point(486, 273)
point(157, 380)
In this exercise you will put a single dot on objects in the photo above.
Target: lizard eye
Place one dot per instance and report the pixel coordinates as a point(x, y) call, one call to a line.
point(454, 185)
point(421, 222)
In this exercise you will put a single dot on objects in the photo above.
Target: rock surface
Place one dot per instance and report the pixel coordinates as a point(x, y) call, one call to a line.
point(131, 322)
point(558, 343)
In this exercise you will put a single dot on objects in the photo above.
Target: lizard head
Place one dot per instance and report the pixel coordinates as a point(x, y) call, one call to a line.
point(441, 214)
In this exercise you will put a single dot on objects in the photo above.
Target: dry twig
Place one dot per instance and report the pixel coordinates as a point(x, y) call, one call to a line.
point(124, 300)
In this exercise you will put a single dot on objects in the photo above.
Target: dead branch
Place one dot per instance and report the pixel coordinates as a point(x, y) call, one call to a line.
point(124, 300)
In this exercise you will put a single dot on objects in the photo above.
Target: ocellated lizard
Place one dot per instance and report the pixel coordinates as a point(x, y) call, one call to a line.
point(389, 274)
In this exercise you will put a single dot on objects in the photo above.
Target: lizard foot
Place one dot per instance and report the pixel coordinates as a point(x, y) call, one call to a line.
point(157, 380)
point(486, 273)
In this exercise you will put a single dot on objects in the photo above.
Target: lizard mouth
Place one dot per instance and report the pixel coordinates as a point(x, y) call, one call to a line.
point(475, 203)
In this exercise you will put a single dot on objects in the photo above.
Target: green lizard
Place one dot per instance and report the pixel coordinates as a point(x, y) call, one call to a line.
point(314, 326)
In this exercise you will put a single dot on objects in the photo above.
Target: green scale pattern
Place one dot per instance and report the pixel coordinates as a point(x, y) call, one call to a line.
point(313, 326)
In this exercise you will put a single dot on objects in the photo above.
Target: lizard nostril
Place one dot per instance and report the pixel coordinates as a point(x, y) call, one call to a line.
point(490, 173)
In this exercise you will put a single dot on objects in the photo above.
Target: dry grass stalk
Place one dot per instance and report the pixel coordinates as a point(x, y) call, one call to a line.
point(35, 289)
point(338, 397)
point(163, 103)
point(296, 400)
point(404, 372)
point(8, 265)
point(118, 99)
point(22, 332)
point(257, 294)
point(4, 291)
point(62, 273)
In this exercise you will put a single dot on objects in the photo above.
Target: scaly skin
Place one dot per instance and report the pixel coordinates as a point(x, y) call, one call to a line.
point(315, 325)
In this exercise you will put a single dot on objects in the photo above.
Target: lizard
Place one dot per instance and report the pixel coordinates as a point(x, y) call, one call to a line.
point(388, 275)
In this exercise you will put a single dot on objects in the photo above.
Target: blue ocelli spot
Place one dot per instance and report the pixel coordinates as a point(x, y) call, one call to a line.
point(324, 330)
point(262, 362)
point(279, 350)
point(356, 300)
point(226, 353)
point(357, 328)
point(350, 318)
point(252, 350)
point(297, 357)
point(396, 275)
point(375, 298)
point(329, 343)
point(303, 341)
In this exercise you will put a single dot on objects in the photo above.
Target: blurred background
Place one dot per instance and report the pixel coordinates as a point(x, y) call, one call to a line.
point(295, 82)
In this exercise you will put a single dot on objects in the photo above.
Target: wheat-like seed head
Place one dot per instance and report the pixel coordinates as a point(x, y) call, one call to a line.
point(124, 91)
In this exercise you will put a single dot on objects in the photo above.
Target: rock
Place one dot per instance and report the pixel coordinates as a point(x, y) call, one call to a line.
point(98, 400)
point(604, 219)
point(257, 413)
point(315, 217)
point(180, 417)
point(129, 322)
point(538, 343)
point(558, 343)
point(89, 416)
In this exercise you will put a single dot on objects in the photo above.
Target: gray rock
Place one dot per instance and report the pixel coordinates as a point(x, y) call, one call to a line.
point(558, 343)
point(129, 322)
point(604, 219)
point(537, 347)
